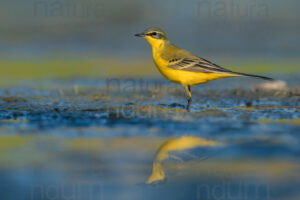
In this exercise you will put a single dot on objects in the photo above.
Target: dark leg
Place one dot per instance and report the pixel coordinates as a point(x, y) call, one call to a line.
point(187, 90)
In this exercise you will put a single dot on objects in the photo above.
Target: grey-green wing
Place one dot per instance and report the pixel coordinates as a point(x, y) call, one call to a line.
point(184, 60)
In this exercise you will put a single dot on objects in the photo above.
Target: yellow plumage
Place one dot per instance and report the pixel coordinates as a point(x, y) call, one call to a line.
point(161, 52)
point(186, 77)
point(181, 66)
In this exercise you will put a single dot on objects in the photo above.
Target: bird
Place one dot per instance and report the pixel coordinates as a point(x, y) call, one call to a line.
point(182, 67)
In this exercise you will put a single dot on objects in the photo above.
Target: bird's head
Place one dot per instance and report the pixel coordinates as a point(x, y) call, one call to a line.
point(155, 37)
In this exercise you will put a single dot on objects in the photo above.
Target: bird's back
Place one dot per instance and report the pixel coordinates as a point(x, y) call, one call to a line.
point(171, 52)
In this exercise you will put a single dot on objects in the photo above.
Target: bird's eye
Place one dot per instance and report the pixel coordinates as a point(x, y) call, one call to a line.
point(154, 33)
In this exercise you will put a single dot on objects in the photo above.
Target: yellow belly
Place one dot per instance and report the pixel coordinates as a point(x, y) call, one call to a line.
point(187, 77)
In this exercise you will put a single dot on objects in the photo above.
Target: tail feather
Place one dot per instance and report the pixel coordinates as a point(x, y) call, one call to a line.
point(255, 76)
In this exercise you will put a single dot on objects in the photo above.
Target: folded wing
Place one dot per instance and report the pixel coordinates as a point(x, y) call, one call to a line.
point(196, 65)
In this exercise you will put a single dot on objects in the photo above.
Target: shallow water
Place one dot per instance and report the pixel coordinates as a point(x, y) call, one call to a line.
point(133, 139)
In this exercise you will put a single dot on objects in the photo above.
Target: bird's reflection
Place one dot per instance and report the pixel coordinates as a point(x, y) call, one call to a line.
point(175, 144)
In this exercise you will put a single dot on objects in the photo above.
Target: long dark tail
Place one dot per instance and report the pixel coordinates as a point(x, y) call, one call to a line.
point(255, 76)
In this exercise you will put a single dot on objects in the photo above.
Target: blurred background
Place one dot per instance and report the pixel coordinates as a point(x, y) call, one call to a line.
point(84, 113)
point(65, 38)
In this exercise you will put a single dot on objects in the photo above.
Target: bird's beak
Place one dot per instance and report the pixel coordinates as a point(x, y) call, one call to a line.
point(140, 35)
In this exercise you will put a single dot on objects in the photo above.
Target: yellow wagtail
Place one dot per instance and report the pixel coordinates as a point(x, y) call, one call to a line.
point(183, 67)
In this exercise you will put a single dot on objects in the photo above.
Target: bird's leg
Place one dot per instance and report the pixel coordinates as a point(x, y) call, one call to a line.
point(187, 90)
